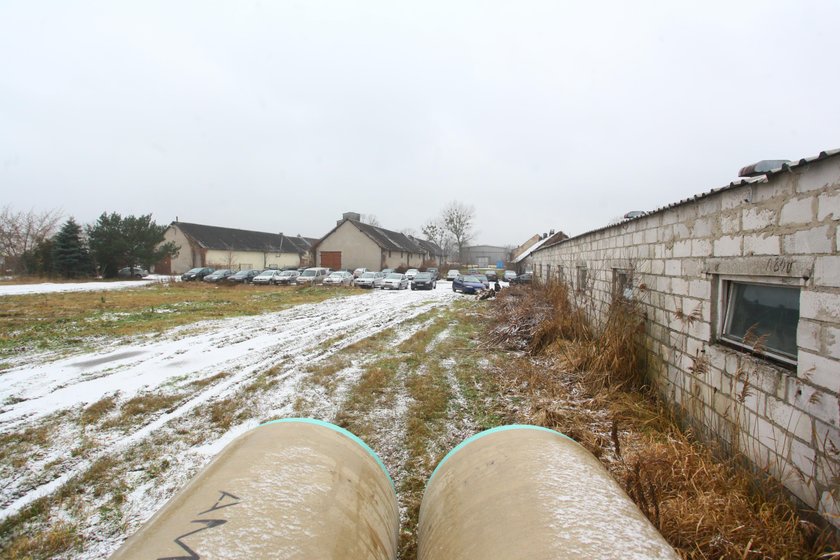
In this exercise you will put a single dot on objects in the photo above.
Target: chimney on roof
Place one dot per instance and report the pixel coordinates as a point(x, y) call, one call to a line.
point(544, 235)
point(551, 232)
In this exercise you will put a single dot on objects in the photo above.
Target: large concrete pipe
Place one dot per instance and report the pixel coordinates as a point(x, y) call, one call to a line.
point(525, 492)
point(295, 488)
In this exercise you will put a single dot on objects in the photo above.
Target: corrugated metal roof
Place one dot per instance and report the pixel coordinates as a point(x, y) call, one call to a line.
point(741, 181)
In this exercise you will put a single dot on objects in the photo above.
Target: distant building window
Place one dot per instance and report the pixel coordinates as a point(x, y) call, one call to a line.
point(581, 278)
point(548, 273)
point(622, 284)
point(761, 318)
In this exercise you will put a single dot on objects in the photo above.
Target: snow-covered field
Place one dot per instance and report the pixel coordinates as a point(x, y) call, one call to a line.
point(227, 353)
point(52, 288)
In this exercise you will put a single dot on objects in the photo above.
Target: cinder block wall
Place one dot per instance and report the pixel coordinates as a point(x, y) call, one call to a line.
point(784, 417)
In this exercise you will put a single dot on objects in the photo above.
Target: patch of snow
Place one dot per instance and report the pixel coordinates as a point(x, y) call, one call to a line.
point(288, 341)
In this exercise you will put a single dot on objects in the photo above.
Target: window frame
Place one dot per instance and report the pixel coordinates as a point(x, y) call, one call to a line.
point(725, 308)
point(620, 288)
point(581, 277)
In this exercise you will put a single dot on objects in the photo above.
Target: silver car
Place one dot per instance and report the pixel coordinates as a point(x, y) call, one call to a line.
point(395, 281)
point(339, 278)
point(370, 280)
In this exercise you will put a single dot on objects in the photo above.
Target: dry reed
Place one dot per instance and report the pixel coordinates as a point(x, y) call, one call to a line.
point(585, 381)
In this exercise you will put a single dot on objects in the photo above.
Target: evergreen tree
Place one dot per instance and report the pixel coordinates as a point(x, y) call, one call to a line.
point(130, 241)
point(39, 260)
point(69, 254)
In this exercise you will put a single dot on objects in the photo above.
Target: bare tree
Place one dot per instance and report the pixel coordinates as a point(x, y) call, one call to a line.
point(21, 232)
point(458, 220)
point(435, 231)
point(371, 220)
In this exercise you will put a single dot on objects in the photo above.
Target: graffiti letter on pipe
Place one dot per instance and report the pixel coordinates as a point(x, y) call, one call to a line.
point(225, 499)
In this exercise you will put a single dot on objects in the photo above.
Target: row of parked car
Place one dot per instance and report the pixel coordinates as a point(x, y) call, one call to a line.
point(387, 279)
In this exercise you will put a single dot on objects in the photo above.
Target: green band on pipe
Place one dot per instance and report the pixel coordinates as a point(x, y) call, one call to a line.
point(343, 432)
point(487, 433)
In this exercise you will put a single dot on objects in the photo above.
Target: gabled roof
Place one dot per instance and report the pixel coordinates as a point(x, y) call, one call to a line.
point(385, 238)
point(428, 246)
point(544, 242)
point(229, 239)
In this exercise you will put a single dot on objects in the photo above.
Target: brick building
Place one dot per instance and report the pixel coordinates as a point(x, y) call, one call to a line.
point(745, 280)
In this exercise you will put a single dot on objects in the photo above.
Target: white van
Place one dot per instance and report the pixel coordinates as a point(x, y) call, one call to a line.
point(312, 276)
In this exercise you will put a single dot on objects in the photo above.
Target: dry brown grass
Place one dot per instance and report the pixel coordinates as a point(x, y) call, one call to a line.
point(705, 506)
point(96, 411)
point(141, 407)
point(61, 538)
point(546, 320)
point(67, 320)
point(708, 508)
point(226, 412)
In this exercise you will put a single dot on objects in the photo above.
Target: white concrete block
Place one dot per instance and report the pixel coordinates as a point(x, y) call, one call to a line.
point(657, 266)
point(829, 508)
point(815, 177)
point(758, 218)
point(728, 246)
point(761, 245)
point(789, 419)
point(768, 434)
point(701, 289)
point(673, 268)
point(814, 240)
point(814, 401)
point(730, 223)
point(679, 287)
point(797, 212)
point(803, 457)
point(701, 248)
point(808, 335)
point(802, 489)
point(832, 341)
point(659, 251)
point(828, 206)
point(821, 306)
point(734, 198)
point(701, 330)
point(682, 248)
point(702, 228)
point(827, 271)
point(822, 372)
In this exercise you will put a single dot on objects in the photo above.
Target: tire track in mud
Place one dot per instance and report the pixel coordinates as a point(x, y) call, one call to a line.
point(244, 346)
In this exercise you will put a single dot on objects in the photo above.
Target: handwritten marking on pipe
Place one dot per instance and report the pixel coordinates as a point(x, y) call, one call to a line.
point(208, 524)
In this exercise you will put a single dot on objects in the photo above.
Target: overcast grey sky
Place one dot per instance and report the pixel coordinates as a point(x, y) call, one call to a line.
point(280, 115)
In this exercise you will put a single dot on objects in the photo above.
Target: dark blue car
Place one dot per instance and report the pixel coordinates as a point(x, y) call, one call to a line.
point(467, 284)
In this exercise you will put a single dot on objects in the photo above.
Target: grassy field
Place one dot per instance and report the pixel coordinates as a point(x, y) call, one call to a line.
point(412, 392)
point(66, 322)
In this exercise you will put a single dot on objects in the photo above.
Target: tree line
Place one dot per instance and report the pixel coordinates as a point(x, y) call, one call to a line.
point(34, 243)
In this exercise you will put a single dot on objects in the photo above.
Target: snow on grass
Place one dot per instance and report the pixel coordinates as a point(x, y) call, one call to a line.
point(93, 286)
point(243, 348)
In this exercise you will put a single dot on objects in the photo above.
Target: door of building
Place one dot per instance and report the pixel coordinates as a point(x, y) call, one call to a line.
point(331, 259)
